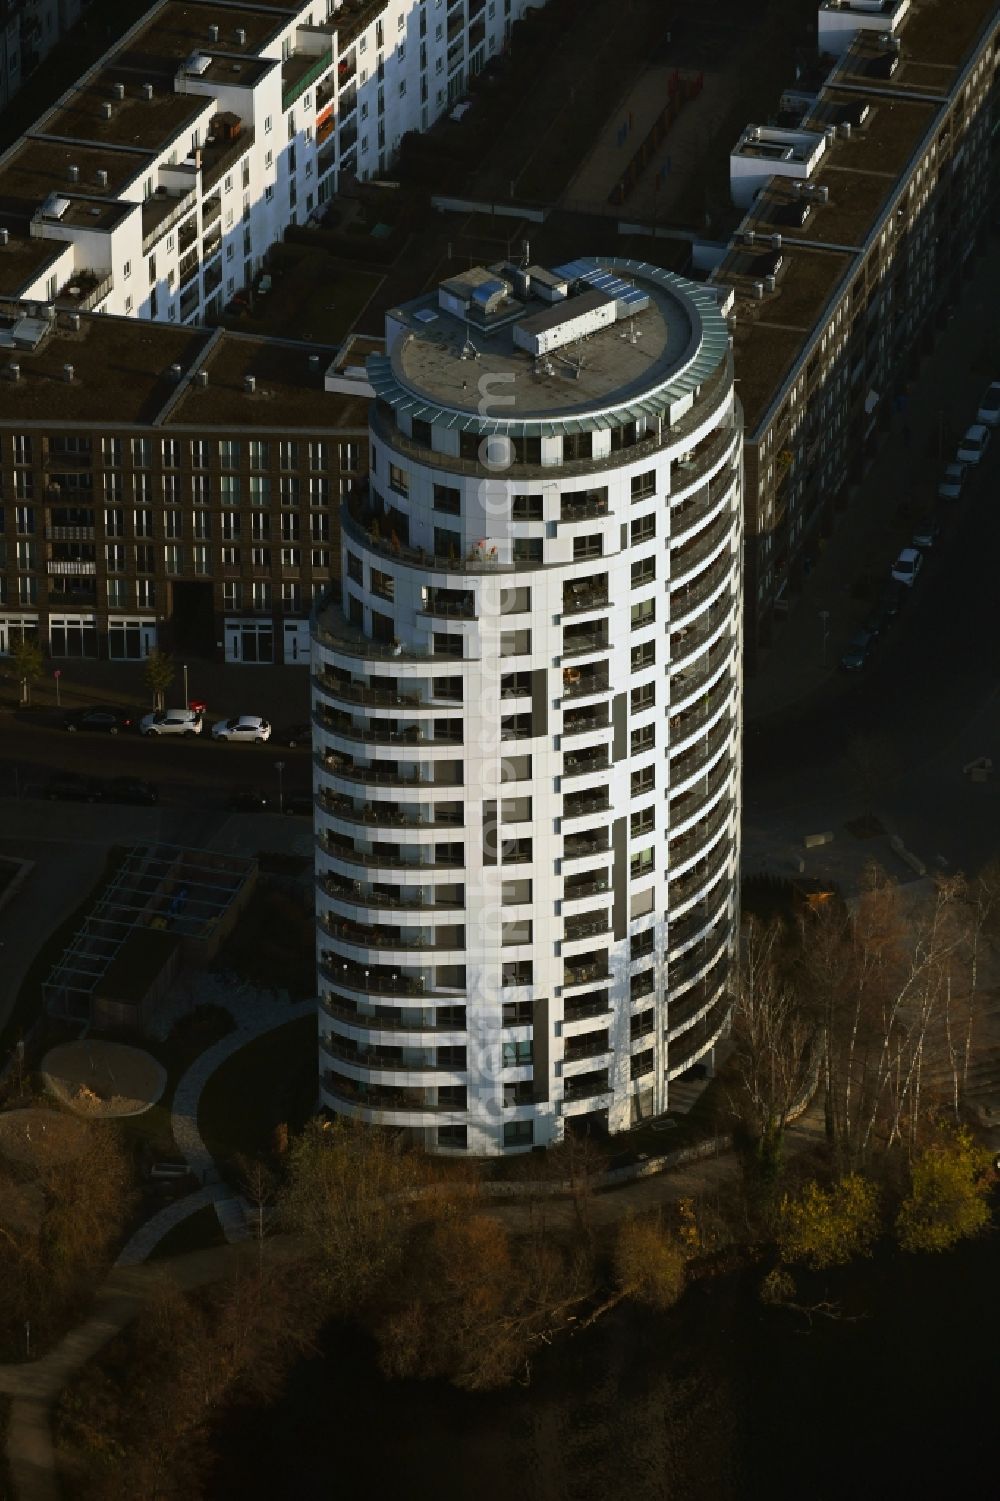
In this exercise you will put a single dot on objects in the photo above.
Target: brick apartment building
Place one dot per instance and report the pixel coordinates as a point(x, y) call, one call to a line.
point(871, 192)
point(168, 487)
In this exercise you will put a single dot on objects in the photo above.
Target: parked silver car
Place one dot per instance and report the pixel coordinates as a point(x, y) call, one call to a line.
point(171, 722)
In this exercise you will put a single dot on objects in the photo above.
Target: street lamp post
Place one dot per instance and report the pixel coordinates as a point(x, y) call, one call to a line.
point(824, 616)
point(279, 767)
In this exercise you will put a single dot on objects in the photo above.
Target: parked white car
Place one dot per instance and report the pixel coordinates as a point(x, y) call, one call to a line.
point(989, 406)
point(250, 728)
point(974, 444)
point(907, 565)
point(171, 722)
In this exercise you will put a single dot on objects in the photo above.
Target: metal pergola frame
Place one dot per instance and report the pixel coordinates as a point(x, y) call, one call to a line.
point(128, 901)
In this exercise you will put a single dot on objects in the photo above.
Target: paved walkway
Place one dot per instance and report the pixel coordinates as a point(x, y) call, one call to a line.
point(258, 1014)
point(148, 1236)
point(35, 1386)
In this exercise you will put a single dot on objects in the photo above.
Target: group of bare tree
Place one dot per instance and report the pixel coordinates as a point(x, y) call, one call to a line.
point(878, 1002)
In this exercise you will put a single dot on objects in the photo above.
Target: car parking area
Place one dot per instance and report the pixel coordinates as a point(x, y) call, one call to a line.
point(917, 495)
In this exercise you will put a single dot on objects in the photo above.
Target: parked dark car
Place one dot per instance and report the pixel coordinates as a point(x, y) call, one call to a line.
point(893, 598)
point(293, 735)
point(99, 717)
point(879, 622)
point(859, 651)
point(247, 801)
point(70, 788)
point(130, 790)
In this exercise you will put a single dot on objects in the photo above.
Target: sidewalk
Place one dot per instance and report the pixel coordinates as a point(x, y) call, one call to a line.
point(281, 694)
point(871, 531)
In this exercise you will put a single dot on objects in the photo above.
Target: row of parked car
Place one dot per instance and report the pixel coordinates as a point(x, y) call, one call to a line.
point(926, 534)
point(70, 787)
point(251, 729)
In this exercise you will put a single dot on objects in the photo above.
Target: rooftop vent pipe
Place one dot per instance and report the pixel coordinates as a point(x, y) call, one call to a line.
point(14, 371)
point(73, 173)
point(769, 283)
point(213, 33)
point(775, 242)
point(68, 374)
point(314, 362)
point(249, 384)
point(102, 178)
point(241, 37)
point(844, 129)
point(4, 236)
point(106, 109)
point(201, 379)
point(118, 89)
point(146, 90)
point(175, 372)
point(74, 322)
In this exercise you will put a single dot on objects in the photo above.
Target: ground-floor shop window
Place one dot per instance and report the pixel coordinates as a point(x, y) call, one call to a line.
point(73, 635)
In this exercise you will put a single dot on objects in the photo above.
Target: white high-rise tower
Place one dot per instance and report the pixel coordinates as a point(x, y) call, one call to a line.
point(527, 711)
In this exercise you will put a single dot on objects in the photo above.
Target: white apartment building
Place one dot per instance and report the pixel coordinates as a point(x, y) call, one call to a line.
point(155, 185)
point(527, 711)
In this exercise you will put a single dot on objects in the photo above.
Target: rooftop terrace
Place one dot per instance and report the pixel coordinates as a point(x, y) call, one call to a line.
point(599, 367)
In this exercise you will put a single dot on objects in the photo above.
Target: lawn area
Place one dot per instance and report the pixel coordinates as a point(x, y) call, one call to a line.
point(312, 297)
point(272, 945)
point(269, 1082)
point(199, 1232)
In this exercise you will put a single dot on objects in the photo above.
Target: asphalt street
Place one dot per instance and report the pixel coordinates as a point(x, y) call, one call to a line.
point(187, 772)
point(893, 739)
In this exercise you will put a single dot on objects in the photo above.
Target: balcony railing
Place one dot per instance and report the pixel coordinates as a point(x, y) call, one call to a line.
point(586, 1086)
point(391, 1019)
point(300, 75)
point(580, 765)
point(586, 926)
point(580, 644)
point(597, 885)
point(370, 1097)
point(579, 846)
point(714, 394)
point(86, 290)
point(369, 981)
point(576, 600)
point(586, 723)
point(365, 936)
point(577, 684)
point(586, 1045)
point(583, 1008)
point(702, 874)
point(372, 858)
point(687, 596)
point(684, 724)
point(685, 559)
point(184, 204)
point(373, 1058)
point(576, 804)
